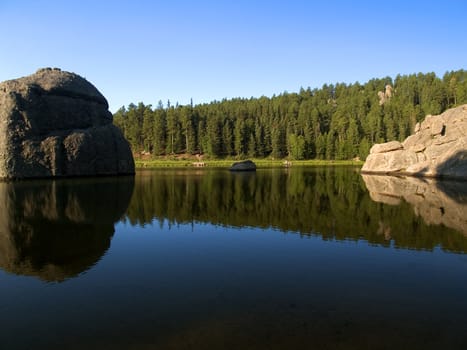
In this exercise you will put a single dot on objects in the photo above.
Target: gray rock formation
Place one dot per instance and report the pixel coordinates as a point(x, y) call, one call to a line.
point(437, 202)
point(246, 165)
point(438, 148)
point(53, 124)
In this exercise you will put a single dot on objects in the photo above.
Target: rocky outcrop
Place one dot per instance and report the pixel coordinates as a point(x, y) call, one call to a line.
point(54, 124)
point(438, 148)
point(55, 230)
point(385, 96)
point(246, 165)
point(437, 202)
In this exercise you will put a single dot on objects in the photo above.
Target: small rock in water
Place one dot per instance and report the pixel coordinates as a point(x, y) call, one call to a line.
point(246, 165)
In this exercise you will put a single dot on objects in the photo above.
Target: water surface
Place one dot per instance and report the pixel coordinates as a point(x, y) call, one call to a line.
point(206, 259)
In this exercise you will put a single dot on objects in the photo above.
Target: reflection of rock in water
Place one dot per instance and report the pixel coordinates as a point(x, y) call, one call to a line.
point(57, 229)
point(437, 202)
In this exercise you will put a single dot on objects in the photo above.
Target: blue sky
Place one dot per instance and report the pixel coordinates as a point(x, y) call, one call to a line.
point(209, 50)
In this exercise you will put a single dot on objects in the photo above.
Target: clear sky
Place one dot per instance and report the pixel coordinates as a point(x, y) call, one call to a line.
point(209, 50)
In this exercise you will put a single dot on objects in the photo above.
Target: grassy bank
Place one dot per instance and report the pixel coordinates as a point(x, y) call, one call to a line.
point(225, 163)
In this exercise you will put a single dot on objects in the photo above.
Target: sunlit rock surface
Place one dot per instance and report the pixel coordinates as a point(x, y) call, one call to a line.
point(438, 148)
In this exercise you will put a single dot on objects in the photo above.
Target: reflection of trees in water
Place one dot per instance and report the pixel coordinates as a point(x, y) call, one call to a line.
point(330, 202)
point(58, 229)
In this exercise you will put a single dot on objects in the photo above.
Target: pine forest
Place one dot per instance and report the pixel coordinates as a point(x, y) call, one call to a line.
point(335, 122)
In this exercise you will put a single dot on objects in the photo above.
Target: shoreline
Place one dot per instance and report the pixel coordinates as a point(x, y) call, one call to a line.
point(226, 163)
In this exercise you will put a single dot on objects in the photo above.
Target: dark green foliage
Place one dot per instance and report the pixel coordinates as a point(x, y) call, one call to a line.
point(335, 122)
point(160, 130)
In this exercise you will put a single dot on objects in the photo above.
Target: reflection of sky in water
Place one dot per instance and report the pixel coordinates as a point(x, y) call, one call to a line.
point(156, 282)
point(179, 285)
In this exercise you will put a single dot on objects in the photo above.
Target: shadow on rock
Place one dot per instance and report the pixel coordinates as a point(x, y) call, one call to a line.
point(454, 165)
point(437, 202)
point(55, 230)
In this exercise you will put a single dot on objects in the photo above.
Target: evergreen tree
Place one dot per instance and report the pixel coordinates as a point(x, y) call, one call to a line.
point(213, 136)
point(188, 128)
point(147, 133)
point(174, 134)
point(227, 137)
point(240, 137)
point(160, 130)
point(297, 146)
point(252, 146)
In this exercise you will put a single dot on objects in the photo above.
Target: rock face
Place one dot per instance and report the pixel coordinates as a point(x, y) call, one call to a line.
point(437, 202)
point(438, 148)
point(54, 124)
point(246, 165)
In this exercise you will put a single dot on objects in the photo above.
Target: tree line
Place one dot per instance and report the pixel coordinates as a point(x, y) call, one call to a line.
point(336, 121)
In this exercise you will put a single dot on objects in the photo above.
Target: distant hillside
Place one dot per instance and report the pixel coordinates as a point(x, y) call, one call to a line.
point(338, 121)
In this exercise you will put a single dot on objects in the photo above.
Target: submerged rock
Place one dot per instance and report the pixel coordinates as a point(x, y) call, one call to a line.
point(55, 124)
point(438, 148)
point(246, 165)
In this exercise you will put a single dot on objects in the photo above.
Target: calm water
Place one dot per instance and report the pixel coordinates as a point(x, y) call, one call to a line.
point(313, 258)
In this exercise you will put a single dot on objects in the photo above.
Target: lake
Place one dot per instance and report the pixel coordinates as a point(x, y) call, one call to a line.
point(298, 258)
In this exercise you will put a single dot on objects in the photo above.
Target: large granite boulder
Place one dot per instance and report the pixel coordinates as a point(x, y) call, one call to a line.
point(55, 124)
point(438, 148)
